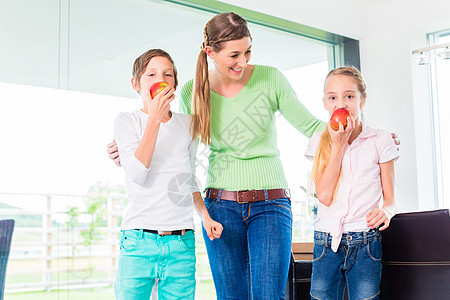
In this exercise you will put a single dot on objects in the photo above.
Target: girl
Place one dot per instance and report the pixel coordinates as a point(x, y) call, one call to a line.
point(158, 156)
point(353, 170)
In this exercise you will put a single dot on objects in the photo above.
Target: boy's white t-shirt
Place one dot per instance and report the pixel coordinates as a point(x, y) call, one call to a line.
point(360, 188)
point(160, 196)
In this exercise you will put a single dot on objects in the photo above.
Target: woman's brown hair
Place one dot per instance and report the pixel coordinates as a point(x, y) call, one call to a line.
point(221, 28)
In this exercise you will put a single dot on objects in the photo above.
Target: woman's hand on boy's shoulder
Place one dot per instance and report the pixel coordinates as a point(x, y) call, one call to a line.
point(113, 152)
point(213, 229)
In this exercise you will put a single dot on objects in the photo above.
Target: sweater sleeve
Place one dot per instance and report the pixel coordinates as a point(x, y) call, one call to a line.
point(127, 140)
point(186, 97)
point(293, 110)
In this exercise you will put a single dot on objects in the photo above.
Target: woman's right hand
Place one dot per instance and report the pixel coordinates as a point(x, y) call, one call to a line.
point(159, 107)
point(340, 137)
point(113, 152)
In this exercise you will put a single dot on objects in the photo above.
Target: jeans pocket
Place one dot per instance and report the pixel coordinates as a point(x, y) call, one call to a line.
point(188, 240)
point(210, 203)
point(374, 250)
point(318, 252)
point(129, 240)
point(282, 202)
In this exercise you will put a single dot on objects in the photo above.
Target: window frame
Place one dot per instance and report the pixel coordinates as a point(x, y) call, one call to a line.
point(438, 174)
point(345, 50)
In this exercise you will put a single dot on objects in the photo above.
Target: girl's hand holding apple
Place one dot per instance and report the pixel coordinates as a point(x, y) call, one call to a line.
point(344, 124)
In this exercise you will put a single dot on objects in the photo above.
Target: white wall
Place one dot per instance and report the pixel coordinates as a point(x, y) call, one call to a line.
point(398, 90)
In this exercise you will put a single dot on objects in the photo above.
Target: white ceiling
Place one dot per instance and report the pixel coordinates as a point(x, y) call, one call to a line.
point(91, 45)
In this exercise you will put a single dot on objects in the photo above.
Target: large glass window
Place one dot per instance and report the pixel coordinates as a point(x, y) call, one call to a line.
point(65, 70)
point(440, 77)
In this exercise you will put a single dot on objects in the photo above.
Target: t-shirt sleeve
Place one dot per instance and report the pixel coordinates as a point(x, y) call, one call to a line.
point(293, 110)
point(186, 97)
point(192, 159)
point(312, 145)
point(387, 150)
point(127, 140)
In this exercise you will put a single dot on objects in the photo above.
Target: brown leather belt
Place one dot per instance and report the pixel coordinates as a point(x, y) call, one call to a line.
point(248, 196)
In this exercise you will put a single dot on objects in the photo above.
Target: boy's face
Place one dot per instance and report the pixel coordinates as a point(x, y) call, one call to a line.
point(159, 68)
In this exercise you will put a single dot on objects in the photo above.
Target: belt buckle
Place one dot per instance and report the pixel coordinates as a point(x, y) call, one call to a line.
point(163, 233)
point(287, 192)
point(254, 196)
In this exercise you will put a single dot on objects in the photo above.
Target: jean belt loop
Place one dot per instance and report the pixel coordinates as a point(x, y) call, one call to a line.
point(220, 195)
point(266, 194)
point(365, 237)
point(326, 239)
point(141, 233)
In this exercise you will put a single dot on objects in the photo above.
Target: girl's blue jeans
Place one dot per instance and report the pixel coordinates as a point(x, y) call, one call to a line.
point(144, 257)
point(357, 263)
point(251, 258)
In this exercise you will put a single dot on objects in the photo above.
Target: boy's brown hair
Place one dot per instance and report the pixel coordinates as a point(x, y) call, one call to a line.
point(140, 64)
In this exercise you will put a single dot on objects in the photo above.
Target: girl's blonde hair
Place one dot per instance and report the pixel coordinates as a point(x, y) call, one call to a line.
point(221, 28)
point(324, 149)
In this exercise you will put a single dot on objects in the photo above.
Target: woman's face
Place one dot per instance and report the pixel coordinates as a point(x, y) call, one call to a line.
point(231, 61)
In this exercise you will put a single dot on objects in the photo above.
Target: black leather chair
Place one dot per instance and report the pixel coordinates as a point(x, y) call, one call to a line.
point(416, 260)
point(6, 231)
point(416, 256)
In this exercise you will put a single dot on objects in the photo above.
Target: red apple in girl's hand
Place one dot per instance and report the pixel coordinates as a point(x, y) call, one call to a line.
point(157, 88)
point(340, 115)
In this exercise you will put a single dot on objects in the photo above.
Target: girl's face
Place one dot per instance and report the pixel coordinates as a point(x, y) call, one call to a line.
point(159, 68)
point(232, 60)
point(341, 91)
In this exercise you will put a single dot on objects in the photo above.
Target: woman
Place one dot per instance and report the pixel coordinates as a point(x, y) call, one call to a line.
point(233, 107)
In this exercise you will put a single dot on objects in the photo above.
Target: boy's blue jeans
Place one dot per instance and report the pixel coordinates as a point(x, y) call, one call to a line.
point(251, 258)
point(146, 256)
point(357, 263)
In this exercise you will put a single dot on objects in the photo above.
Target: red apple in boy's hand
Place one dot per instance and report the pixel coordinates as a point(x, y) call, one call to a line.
point(340, 115)
point(157, 88)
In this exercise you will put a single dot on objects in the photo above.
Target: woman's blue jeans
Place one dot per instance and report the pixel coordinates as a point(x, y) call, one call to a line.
point(357, 262)
point(251, 258)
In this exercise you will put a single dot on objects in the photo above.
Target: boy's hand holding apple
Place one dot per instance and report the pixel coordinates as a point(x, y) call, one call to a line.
point(159, 97)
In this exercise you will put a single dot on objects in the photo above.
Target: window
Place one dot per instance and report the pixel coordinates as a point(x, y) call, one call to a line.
point(440, 77)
